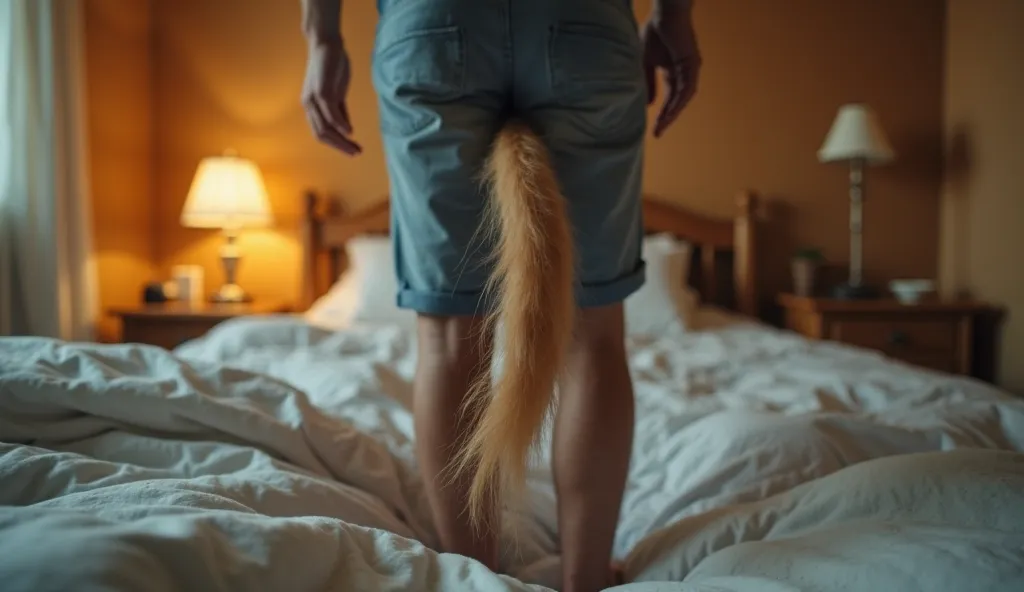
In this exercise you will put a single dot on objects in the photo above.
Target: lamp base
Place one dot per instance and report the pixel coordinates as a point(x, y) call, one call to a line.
point(230, 294)
point(230, 256)
point(850, 291)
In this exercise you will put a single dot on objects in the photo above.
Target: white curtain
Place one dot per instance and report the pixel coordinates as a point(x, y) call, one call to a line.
point(47, 269)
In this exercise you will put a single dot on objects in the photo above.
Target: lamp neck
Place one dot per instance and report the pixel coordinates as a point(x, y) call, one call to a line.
point(857, 178)
point(856, 221)
point(231, 233)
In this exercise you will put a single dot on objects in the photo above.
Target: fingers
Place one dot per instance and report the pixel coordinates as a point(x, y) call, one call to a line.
point(691, 73)
point(328, 133)
point(335, 114)
point(671, 108)
point(346, 120)
point(681, 80)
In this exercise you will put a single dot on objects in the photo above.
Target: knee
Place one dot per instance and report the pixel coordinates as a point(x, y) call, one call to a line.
point(453, 341)
point(600, 332)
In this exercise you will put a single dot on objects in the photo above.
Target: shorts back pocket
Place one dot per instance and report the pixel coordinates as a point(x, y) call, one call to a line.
point(596, 74)
point(415, 71)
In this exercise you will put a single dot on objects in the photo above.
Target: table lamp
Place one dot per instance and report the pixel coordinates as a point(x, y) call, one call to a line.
point(857, 138)
point(227, 193)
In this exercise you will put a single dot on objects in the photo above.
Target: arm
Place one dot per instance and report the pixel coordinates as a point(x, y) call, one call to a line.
point(670, 47)
point(327, 75)
point(321, 20)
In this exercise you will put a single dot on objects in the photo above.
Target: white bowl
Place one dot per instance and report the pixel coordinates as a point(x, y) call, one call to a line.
point(911, 291)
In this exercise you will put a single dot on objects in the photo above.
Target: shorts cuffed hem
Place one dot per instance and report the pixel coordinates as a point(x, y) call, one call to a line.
point(612, 292)
point(478, 303)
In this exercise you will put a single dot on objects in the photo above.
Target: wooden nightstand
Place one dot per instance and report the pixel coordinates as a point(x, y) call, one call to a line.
point(170, 324)
point(956, 337)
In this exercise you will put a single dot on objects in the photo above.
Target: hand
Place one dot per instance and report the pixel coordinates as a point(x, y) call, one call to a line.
point(670, 45)
point(323, 95)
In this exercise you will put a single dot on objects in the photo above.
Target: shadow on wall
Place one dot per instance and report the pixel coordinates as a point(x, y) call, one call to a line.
point(957, 219)
point(775, 245)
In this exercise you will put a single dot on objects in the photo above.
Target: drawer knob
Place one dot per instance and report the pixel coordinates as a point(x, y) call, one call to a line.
point(897, 337)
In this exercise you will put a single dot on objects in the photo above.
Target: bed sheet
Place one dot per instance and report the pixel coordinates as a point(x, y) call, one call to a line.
point(761, 461)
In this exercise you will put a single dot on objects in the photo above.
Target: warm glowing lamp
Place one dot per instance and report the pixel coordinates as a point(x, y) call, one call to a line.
point(227, 193)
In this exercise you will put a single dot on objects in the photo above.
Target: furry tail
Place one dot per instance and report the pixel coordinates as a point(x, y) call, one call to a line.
point(533, 281)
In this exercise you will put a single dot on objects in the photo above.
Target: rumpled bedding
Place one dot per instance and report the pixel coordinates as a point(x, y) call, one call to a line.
point(274, 455)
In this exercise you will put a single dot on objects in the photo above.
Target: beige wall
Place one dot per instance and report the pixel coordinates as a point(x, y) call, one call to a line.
point(228, 74)
point(119, 95)
point(983, 204)
point(171, 82)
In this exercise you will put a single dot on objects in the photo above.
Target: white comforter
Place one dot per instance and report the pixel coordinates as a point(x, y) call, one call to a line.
point(271, 455)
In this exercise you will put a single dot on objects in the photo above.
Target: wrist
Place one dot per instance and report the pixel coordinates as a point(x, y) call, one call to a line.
point(323, 38)
point(321, 21)
point(673, 8)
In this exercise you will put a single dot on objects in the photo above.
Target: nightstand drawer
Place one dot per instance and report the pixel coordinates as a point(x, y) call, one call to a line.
point(924, 336)
point(170, 324)
point(949, 336)
point(927, 342)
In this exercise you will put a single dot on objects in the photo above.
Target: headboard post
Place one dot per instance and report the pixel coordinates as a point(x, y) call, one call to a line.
point(310, 248)
point(709, 273)
point(744, 249)
point(320, 265)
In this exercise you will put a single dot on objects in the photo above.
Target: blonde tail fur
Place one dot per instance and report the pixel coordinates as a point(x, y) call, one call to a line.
point(533, 284)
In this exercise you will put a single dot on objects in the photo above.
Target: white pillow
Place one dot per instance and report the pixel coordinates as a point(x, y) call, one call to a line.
point(365, 293)
point(664, 304)
point(334, 309)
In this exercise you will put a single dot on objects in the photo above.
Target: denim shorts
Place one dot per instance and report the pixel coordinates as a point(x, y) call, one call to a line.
point(448, 74)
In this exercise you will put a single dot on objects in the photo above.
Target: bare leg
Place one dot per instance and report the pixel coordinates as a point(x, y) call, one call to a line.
point(592, 444)
point(450, 355)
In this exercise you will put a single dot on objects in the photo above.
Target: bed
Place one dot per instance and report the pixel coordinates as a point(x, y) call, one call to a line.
point(275, 453)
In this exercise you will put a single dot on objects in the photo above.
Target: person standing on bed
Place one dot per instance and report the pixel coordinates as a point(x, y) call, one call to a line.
point(448, 73)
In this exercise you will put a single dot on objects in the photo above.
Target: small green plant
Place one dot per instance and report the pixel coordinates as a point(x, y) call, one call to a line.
point(809, 254)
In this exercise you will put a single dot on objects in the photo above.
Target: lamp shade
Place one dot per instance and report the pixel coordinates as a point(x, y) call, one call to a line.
point(856, 134)
point(227, 192)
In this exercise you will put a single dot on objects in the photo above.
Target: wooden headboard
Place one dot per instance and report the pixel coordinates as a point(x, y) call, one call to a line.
point(725, 270)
